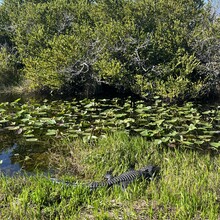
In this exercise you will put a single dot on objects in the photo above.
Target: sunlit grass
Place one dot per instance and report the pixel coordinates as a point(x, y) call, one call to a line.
point(188, 187)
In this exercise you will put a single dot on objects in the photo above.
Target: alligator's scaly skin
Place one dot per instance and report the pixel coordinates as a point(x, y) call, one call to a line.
point(124, 179)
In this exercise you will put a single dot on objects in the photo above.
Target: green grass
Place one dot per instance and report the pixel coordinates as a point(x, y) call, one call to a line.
point(188, 187)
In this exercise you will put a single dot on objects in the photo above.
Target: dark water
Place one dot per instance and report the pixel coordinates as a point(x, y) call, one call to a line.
point(6, 161)
point(7, 165)
point(16, 155)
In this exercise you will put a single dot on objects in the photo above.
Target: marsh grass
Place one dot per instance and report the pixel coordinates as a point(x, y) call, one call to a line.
point(188, 186)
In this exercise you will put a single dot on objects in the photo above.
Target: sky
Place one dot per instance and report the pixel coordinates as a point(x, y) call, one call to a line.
point(216, 3)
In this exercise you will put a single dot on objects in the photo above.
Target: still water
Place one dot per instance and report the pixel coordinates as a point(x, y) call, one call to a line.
point(16, 155)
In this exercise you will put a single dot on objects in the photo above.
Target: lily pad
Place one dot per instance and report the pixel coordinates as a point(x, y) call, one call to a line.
point(12, 128)
point(145, 133)
point(51, 132)
point(215, 144)
point(31, 139)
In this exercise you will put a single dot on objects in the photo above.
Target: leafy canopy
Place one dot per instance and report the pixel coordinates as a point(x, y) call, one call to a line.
point(149, 47)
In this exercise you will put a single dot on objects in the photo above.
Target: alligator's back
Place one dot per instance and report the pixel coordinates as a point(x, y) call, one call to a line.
point(126, 178)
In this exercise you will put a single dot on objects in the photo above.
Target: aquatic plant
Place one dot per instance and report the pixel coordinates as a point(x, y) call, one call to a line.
point(188, 125)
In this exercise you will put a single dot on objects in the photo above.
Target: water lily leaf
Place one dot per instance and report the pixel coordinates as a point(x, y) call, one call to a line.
point(191, 127)
point(215, 144)
point(187, 143)
point(120, 115)
point(206, 112)
point(38, 124)
point(31, 139)
point(49, 121)
point(206, 124)
point(211, 132)
point(156, 97)
point(91, 104)
point(28, 135)
point(71, 131)
point(199, 142)
point(172, 120)
point(93, 115)
point(173, 134)
point(93, 137)
point(21, 112)
point(73, 135)
point(25, 120)
point(139, 129)
point(27, 158)
point(17, 100)
point(165, 139)
point(139, 110)
point(12, 128)
point(145, 133)
point(157, 141)
point(4, 121)
point(159, 122)
point(51, 132)
point(204, 137)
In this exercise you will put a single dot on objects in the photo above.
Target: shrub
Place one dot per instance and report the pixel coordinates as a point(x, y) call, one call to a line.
point(149, 47)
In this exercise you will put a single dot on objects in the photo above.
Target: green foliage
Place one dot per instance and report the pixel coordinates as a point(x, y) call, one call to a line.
point(9, 60)
point(149, 47)
point(8, 71)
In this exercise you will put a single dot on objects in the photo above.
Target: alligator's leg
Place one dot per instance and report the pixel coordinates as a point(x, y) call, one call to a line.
point(108, 176)
point(124, 185)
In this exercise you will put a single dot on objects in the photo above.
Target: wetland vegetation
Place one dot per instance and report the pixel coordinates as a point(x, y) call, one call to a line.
point(189, 125)
point(161, 61)
point(81, 140)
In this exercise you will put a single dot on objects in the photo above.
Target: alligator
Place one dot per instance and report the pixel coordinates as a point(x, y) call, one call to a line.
point(145, 173)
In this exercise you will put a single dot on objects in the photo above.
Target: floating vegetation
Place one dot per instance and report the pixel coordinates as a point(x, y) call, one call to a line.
point(186, 125)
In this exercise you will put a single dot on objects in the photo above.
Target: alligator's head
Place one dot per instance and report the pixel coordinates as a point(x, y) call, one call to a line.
point(150, 171)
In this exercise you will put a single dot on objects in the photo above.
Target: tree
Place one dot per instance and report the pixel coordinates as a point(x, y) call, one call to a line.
point(148, 47)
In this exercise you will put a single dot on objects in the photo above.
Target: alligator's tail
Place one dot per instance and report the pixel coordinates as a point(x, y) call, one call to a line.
point(54, 180)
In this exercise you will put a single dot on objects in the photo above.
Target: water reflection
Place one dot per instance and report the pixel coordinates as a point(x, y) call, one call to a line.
point(6, 165)
point(22, 158)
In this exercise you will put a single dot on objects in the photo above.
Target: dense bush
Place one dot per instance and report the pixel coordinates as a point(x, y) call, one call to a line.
point(163, 47)
point(9, 59)
point(8, 71)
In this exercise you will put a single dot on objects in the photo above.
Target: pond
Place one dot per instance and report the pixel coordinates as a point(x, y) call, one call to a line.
point(27, 128)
